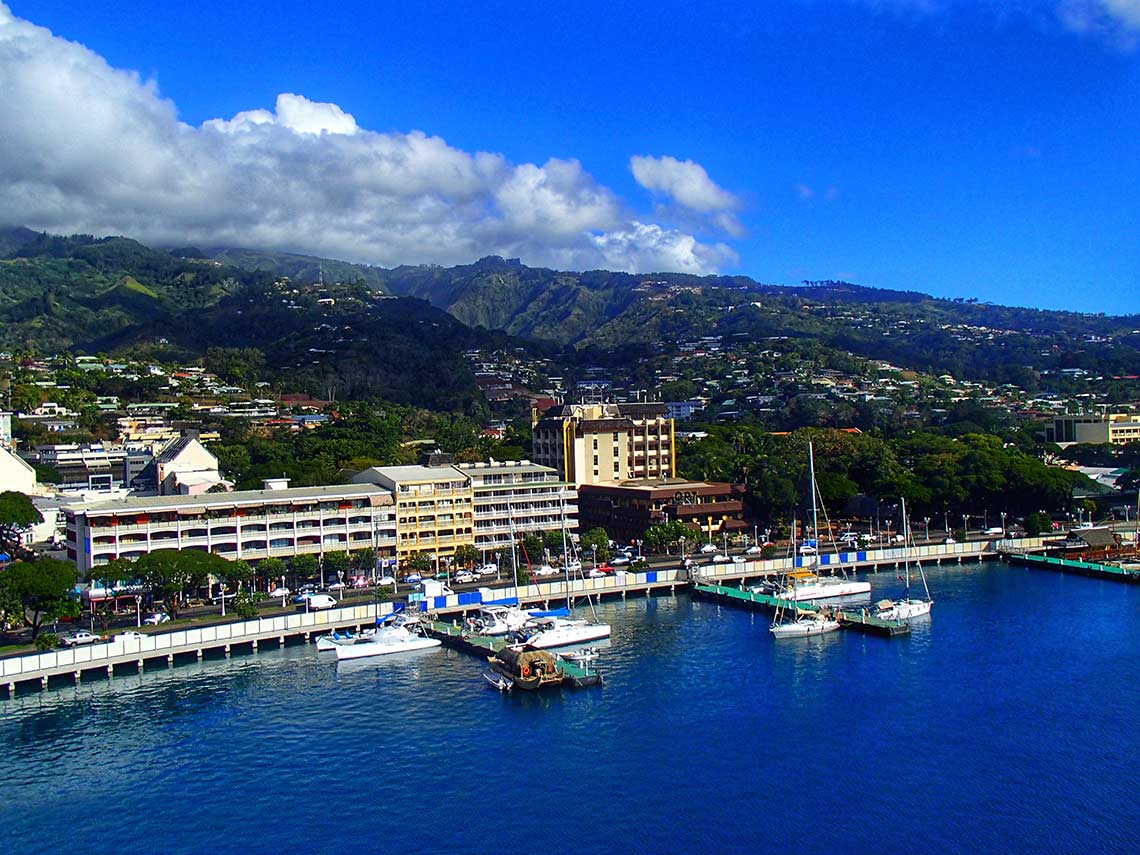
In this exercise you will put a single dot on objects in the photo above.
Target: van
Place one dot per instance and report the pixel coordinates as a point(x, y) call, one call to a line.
point(997, 529)
point(317, 602)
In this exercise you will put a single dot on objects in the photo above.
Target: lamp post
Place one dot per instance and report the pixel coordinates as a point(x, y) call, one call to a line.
point(926, 522)
point(725, 533)
point(1003, 524)
point(965, 525)
point(946, 521)
point(681, 540)
point(282, 592)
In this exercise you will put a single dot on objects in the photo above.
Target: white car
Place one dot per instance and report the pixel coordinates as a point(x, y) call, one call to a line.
point(708, 547)
point(720, 558)
point(620, 558)
point(490, 569)
point(546, 570)
point(386, 582)
point(574, 565)
point(129, 635)
point(156, 618)
point(754, 549)
point(280, 592)
point(464, 577)
point(80, 636)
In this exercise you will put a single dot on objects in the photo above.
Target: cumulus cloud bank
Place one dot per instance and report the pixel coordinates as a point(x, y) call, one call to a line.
point(689, 186)
point(91, 148)
point(1118, 20)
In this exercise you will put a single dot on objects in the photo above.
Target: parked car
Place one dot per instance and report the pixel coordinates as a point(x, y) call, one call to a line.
point(464, 577)
point(280, 592)
point(619, 559)
point(754, 549)
point(156, 618)
point(721, 558)
point(708, 547)
point(574, 565)
point(129, 635)
point(546, 570)
point(386, 582)
point(413, 578)
point(602, 570)
point(489, 569)
point(79, 636)
point(336, 586)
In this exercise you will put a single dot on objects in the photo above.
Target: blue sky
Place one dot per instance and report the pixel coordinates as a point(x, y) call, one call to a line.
point(975, 149)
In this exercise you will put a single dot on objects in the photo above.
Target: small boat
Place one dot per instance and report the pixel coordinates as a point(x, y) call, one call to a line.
point(809, 586)
point(496, 620)
point(527, 667)
point(498, 681)
point(331, 640)
point(547, 631)
point(805, 625)
point(385, 641)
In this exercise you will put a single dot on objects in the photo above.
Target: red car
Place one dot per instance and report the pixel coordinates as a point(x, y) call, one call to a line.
point(602, 570)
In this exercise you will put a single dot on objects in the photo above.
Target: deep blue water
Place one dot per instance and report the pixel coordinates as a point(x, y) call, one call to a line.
point(1009, 722)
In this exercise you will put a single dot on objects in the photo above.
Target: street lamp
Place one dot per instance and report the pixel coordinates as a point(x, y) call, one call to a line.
point(1003, 523)
point(725, 543)
point(965, 525)
point(946, 521)
point(926, 522)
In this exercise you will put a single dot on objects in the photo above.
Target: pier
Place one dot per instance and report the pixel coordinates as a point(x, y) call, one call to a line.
point(860, 621)
point(483, 646)
point(1091, 569)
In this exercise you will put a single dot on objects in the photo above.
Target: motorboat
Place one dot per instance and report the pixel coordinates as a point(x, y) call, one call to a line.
point(385, 641)
point(331, 640)
point(556, 631)
point(805, 625)
point(496, 620)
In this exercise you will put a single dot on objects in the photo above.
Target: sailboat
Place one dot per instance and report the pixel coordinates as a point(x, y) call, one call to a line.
point(806, 584)
point(908, 607)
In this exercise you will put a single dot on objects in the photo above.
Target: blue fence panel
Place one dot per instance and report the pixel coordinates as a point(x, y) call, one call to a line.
point(470, 598)
point(862, 556)
point(651, 576)
point(441, 602)
point(825, 560)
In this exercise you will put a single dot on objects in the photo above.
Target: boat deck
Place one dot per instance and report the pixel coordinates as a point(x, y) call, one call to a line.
point(1081, 568)
point(859, 620)
point(483, 646)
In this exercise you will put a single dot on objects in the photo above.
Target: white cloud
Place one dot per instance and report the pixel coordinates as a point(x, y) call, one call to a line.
point(1116, 20)
point(690, 187)
point(87, 147)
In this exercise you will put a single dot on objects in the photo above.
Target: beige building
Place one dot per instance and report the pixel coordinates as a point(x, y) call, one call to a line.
point(606, 443)
point(435, 507)
point(1111, 428)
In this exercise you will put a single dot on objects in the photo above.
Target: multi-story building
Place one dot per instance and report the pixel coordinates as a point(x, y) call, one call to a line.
point(606, 443)
point(626, 510)
point(435, 506)
point(518, 497)
point(278, 522)
point(1111, 428)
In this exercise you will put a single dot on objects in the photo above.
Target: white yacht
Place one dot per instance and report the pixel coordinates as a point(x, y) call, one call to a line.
point(395, 640)
point(908, 607)
point(813, 587)
point(547, 632)
point(333, 639)
point(496, 620)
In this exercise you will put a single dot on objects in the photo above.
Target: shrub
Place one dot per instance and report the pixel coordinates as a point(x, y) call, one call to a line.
point(46, 641)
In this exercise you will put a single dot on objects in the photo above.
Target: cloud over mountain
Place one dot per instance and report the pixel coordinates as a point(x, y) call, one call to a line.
point(88, 147)
point(689, 186)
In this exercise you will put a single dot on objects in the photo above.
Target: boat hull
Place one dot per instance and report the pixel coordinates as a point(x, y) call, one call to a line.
point(804, 628)
point(382, 646)
point(826, 589)
point(566, 636)
point(906, 610)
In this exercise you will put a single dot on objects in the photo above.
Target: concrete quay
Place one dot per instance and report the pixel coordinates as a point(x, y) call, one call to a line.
point(167, 647)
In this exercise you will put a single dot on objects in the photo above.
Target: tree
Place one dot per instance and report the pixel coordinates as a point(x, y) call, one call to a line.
point(417, 562)
point(466, 555)
point(42, 589)
point(337, 565)
point(112, 575)
point(271, 569)
point(660, 536)
point(17, 516)
point(364, 562)
point(532, 546)
point(596, 539)
point(304, 566)
point(168, 573)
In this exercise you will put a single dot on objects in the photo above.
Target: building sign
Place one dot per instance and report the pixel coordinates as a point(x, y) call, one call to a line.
point(685, 497)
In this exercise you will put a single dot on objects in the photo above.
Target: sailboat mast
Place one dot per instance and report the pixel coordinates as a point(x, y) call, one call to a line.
point(814, 509)
point(906, 545)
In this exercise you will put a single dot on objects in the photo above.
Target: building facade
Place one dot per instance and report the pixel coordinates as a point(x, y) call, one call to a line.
point(626, 510)
point(606, 443)
point(1111, 428)
point(518, 497)
point(278, 522)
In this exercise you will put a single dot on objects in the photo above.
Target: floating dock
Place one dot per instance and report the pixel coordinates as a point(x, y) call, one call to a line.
point(483, 646)
point(1080, 568)
point(860, 621)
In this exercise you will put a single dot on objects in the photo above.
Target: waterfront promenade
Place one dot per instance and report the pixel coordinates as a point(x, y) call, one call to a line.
point(222, 639)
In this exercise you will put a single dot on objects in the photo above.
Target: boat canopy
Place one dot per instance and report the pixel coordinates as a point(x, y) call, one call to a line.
point(562, 612)
point(506, 601)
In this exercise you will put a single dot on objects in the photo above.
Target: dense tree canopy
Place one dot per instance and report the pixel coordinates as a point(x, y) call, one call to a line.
point(17, 516)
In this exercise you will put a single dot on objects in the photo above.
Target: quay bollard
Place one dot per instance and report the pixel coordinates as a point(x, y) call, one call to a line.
point(170, 659)
point(201, 653)
point(43, 682)
point(111, 670)
point(227, 651)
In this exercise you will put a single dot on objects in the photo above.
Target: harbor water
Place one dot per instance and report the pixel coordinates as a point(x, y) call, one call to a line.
point(1007, 722)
